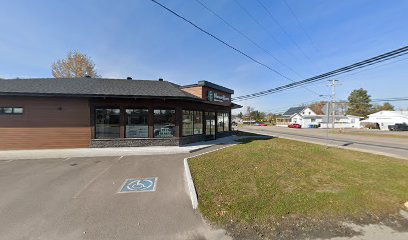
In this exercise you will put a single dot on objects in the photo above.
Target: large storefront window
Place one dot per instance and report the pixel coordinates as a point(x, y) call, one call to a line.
point(164, 123)
point(107, 123)
point(198, 122)
point(220, 122)
point(136, 123)
point(188, 118)
point(226, 122)
point(210, 123)
point(223, 122)
point(192, 123)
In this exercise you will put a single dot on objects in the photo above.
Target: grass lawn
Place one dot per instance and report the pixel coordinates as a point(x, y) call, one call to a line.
point(270, 186)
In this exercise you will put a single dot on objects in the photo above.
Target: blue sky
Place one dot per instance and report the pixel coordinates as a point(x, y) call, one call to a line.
point(139, 39)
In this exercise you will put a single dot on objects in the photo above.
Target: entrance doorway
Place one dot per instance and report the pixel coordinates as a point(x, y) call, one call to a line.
point(210, 125)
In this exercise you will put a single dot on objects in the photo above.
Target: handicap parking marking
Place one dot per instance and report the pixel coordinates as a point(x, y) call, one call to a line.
point(139, 185)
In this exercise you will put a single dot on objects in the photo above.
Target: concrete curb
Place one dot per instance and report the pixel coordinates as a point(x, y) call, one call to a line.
point(189, 179)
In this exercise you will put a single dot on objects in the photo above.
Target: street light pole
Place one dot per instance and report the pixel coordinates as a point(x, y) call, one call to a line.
point(333, 85)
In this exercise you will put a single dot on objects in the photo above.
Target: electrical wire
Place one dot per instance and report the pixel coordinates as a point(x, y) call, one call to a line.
point(285, 32)
point(254, 43)
point(301, 25)
point(224, 42)
point(380, 58)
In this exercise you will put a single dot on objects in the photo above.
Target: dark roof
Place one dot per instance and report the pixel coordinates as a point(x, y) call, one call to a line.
point(92, 87)
point(293, 110)
point(235, 106)
point(210, 85)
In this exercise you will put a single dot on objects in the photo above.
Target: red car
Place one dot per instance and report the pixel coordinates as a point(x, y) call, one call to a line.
point(295, 125)
point(262, 124)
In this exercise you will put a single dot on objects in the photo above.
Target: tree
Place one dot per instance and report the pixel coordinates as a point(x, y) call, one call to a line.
point(76, 65)
point(317, 107)
point(258, 116)
point(387, 107)
point(359, 103)
point(249, 111)
point(240, 115)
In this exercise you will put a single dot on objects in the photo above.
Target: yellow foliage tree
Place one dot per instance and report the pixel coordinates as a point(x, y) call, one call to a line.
point(76, 65)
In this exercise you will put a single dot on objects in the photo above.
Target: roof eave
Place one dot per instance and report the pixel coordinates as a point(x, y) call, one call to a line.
point(96, 96)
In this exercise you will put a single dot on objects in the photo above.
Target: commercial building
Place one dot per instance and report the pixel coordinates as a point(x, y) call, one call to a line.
point(96, 112)
point(383, 119)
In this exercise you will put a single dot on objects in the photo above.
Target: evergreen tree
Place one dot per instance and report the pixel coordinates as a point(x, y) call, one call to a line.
point(359, 103)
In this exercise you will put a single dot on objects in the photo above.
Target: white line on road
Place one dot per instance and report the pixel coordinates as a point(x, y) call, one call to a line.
point(93, 179)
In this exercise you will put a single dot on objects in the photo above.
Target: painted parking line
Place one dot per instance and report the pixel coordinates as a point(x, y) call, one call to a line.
point(139, 185)
point(97, 176)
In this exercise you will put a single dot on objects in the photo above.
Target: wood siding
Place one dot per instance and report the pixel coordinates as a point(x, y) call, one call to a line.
point(47, 122)
point(196, 91)
point(202, 92)
point(61, 122)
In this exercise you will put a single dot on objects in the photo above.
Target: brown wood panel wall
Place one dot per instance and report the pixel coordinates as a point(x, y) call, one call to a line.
point(196, 91)
point(57, 122)
point(47, 122)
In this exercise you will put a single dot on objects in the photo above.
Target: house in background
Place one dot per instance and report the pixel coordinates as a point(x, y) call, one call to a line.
point(300, 115)
point(306, 117)
point(341, 119)
point(383, 119)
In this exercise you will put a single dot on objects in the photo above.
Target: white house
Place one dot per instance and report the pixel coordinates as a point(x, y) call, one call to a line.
point(383, 119)
point(301, 115)
point(341, 121)
point(306, 117)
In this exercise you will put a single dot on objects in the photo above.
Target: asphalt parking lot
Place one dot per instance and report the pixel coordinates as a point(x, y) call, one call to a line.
point(77, 198)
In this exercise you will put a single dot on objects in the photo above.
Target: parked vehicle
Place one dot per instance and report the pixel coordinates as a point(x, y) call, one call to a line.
point(256, 124)
point(295, 125)
point(398, 127)
point(262, 124)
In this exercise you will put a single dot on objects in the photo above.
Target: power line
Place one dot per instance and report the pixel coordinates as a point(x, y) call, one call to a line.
point(253, 42)
point(300, 25)
point(374, 60)
point(283, 109)
point(224, 42)
point(246, 36)
point(390, 99)
point(284, 31)
point(382, 65)
point(263, 28)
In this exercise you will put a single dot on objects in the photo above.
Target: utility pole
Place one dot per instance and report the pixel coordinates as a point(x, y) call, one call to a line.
point(333, 85)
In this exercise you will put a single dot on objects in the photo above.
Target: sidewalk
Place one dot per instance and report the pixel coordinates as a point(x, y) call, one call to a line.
point(118, 151)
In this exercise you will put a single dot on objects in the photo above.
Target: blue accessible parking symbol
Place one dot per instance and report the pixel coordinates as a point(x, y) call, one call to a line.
point(139, 185)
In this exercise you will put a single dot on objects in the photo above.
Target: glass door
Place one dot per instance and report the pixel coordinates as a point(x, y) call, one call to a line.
point(210, 125)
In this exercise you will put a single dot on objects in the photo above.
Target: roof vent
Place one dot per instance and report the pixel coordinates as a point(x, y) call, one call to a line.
point(87, 76)
point(129, 78)
point(161, 79)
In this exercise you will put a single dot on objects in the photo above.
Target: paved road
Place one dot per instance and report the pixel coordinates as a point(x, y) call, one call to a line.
point(76, 198)
point(396, 147)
